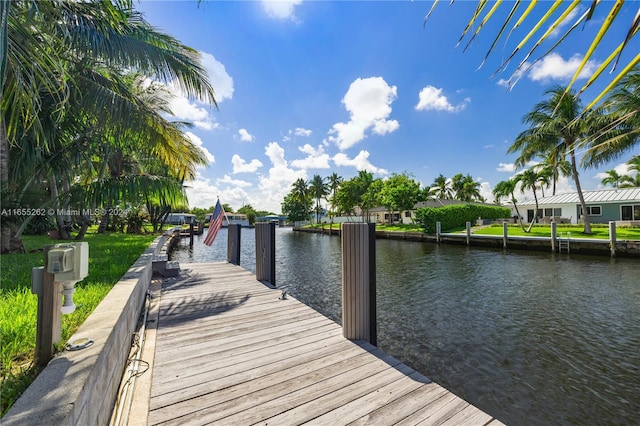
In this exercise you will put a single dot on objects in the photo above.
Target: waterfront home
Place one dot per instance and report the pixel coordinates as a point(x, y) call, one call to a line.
point(180, 218)
point(603, 206)
point(230, 219)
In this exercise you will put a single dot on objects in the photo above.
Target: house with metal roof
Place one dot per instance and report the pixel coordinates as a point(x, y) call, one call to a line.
point(603, 206)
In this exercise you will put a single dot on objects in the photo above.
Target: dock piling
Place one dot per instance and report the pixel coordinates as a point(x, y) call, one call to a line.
point(233, 244)
point(266, 252)
point(359, 282)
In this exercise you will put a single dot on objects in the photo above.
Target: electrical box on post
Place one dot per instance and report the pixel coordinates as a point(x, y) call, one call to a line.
point(69, 261)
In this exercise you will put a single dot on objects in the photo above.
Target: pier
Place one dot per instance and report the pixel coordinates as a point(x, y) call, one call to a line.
point(227, 349)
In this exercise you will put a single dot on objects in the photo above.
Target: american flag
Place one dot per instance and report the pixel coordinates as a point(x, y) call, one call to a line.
point(215, 224)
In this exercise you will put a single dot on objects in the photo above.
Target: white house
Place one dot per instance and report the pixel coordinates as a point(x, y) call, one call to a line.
point(616, 204)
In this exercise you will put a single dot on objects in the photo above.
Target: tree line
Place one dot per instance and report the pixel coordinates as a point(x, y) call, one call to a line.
point(558, 128)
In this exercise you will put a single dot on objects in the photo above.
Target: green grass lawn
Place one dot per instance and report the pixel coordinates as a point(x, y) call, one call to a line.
point(598, 231)
point(110, 256)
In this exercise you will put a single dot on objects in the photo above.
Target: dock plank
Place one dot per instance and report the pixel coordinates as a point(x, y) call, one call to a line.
point(229, 350)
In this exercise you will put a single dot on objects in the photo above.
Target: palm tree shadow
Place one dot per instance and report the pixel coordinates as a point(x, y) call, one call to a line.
point(191, 297)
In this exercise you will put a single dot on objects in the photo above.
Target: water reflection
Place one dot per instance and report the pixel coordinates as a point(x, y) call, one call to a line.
point(530, 337)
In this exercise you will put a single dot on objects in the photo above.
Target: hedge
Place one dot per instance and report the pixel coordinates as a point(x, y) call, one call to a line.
point(457, 215)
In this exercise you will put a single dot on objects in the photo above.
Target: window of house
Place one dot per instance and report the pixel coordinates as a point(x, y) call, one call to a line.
point(557, 212)
point(407, 214)
point(630, 212)
point(594, 210)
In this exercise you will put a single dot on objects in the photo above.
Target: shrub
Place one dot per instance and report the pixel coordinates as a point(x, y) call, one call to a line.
point(457, 215)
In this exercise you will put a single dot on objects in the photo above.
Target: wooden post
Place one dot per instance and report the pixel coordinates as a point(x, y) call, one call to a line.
point(266, 252)
point(49, 321)
point(438, 231)
point(505, 233)
point(554, 235)
point(612, 238)
point(191, 234)
point(468, 233)
point(233, 244)
point(359, 282)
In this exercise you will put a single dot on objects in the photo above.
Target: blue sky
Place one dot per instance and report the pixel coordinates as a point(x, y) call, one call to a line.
point(316, 87)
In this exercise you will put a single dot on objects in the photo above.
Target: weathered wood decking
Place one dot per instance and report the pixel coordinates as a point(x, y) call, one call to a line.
point(230, 351)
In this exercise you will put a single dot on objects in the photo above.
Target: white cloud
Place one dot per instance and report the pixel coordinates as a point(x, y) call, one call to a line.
point(195, 111)
point(506, 167)
point(431, 98)
point(203, 193)
point(485, 191)
point(302, 132)
point(198, 142)
point(281, 9)
point(228, 180)
point(368, 102)
point(277, 183)
point(245, 136)
point(220, 80)
point(360, 162)
point(316, 158)
point(241, 166)
point(554, 67)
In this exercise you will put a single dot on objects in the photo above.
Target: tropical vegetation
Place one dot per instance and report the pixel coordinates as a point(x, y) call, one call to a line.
point(83, 124)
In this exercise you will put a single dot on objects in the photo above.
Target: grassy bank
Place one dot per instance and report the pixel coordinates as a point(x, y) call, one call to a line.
point(598, 231)
point(110, 256)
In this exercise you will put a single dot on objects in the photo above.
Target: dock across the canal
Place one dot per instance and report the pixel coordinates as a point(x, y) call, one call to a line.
point(224, 348)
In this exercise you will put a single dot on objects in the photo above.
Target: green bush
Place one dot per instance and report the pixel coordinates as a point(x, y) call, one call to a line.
point(457, 215)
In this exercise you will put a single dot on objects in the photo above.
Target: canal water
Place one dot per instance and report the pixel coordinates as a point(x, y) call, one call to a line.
point(531, 338)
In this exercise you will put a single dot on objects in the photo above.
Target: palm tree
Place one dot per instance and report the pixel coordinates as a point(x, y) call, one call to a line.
point(528, 179)
point(557, 124)
point(553, 167)
point(631, 181)
point(53, 90)
point(465, 188)
point(319, 189)
point(441, 188)
point(507, 188)
point(545, 176)
point(622, 131)
point(334, 182)
point(480, 17)
point(612, 178)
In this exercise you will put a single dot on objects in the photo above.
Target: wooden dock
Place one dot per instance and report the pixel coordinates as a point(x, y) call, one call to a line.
point(230, 350)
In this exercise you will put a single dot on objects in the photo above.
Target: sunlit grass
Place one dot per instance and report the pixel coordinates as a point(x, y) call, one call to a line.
point(577, 231)
point(110, 256)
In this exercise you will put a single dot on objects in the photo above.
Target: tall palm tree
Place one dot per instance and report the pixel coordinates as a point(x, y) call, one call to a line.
point(320, 189)
point(557, 124)
point(554, 166)
point(441, 188)
point(465, 188)
point(507, 188)
point(545, 176)
point(334, 181)
point(528, 180)
point(612, 178)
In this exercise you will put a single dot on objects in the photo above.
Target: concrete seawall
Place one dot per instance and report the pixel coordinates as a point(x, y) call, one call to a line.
point(80, 387)
point(624, 248)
